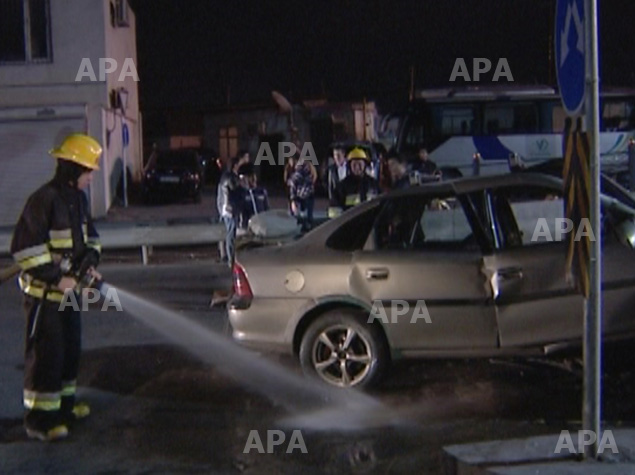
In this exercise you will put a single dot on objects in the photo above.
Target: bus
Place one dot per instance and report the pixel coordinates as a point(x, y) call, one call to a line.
point(497, 122)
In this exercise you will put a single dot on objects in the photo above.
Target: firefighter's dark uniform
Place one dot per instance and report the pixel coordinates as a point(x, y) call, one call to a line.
point(54, 233)
point(355, 190)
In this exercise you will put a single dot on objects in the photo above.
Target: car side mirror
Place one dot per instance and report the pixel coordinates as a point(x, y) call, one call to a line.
point(626, 232)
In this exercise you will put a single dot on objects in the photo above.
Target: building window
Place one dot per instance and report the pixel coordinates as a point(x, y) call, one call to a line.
point(24, 31)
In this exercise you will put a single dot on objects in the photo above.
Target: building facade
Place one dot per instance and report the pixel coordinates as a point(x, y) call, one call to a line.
point(251, 127)
point(66, 66)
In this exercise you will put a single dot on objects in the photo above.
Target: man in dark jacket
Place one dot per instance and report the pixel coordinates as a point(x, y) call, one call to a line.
point(53, 238)
point(337, 171)
point(425, 166)
point(399, 176)
point(228, 203)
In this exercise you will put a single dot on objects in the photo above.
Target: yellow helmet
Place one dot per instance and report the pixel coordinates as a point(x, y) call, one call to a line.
point(81, 149)
point(357, 154)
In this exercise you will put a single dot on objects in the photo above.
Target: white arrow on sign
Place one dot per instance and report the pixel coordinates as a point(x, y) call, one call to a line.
point(572, 13)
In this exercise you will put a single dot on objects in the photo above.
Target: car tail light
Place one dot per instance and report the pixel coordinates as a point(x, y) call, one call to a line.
point(192, 177)
point(242, 289)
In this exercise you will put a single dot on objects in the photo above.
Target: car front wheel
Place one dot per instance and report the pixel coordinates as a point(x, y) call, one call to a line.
point(341, 349)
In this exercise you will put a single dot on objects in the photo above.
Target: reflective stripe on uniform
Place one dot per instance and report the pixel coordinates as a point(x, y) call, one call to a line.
point(352, 200)
point(42, 401)
point(61, 238)
point(94, 244)
point(60, 234)
point(334, 212)
point(32, 256)
point(61, 243)
point(37, 289)
point(69, 388)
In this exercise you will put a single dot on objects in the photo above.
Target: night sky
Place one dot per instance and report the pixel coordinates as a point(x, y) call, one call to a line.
point(200, 53)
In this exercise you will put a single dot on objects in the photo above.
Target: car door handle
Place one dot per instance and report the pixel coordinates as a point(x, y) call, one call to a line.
point(380, 273)
point(509, 273)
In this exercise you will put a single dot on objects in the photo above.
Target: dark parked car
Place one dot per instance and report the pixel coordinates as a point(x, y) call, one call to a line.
point(173, 175)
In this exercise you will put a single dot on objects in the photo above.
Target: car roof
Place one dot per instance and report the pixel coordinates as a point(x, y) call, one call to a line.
point(470, 184)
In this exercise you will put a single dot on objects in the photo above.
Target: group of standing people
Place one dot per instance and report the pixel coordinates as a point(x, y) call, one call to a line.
point(352, 179)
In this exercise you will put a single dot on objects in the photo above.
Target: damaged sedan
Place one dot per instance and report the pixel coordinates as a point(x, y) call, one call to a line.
point(466, 268)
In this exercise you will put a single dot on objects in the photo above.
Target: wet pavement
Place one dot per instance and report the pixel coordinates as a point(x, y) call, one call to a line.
point(158, 409)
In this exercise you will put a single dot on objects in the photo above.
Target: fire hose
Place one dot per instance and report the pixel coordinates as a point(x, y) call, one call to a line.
point(9, 272)
point(84, 278)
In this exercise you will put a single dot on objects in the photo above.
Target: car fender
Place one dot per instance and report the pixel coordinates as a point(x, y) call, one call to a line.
point(304, 315)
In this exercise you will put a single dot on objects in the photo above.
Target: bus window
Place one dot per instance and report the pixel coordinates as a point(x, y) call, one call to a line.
point(452, 120)
point(510, 119)
point(617, 115)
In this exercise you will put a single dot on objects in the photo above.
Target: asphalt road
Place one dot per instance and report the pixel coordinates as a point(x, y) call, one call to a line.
point(159, 409)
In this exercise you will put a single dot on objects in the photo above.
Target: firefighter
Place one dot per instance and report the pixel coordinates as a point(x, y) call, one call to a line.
point(358, 186)
point(54, 236)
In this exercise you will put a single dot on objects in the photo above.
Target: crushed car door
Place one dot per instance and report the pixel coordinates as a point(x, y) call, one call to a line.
point(535, 300)
point(421, 270)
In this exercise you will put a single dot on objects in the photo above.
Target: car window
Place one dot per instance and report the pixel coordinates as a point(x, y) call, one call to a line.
point(423, 223)
point(353, 234)
point(528, 216)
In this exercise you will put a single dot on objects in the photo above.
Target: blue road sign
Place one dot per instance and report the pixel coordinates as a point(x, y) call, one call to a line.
point(125, 135)
point(570, 54)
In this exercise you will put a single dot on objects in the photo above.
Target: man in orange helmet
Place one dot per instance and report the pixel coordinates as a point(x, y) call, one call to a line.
point(54, 236)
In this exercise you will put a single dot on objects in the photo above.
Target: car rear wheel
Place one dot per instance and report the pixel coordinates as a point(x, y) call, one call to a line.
point(341, 349)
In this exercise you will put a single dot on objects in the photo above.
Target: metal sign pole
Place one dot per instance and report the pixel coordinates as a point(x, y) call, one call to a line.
point(125, 140)
point(591, 412)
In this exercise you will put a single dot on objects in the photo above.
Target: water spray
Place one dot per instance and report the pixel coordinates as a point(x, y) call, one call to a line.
point(310, 403)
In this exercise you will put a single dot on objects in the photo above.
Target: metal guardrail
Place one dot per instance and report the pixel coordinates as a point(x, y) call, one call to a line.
point(144, 237)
